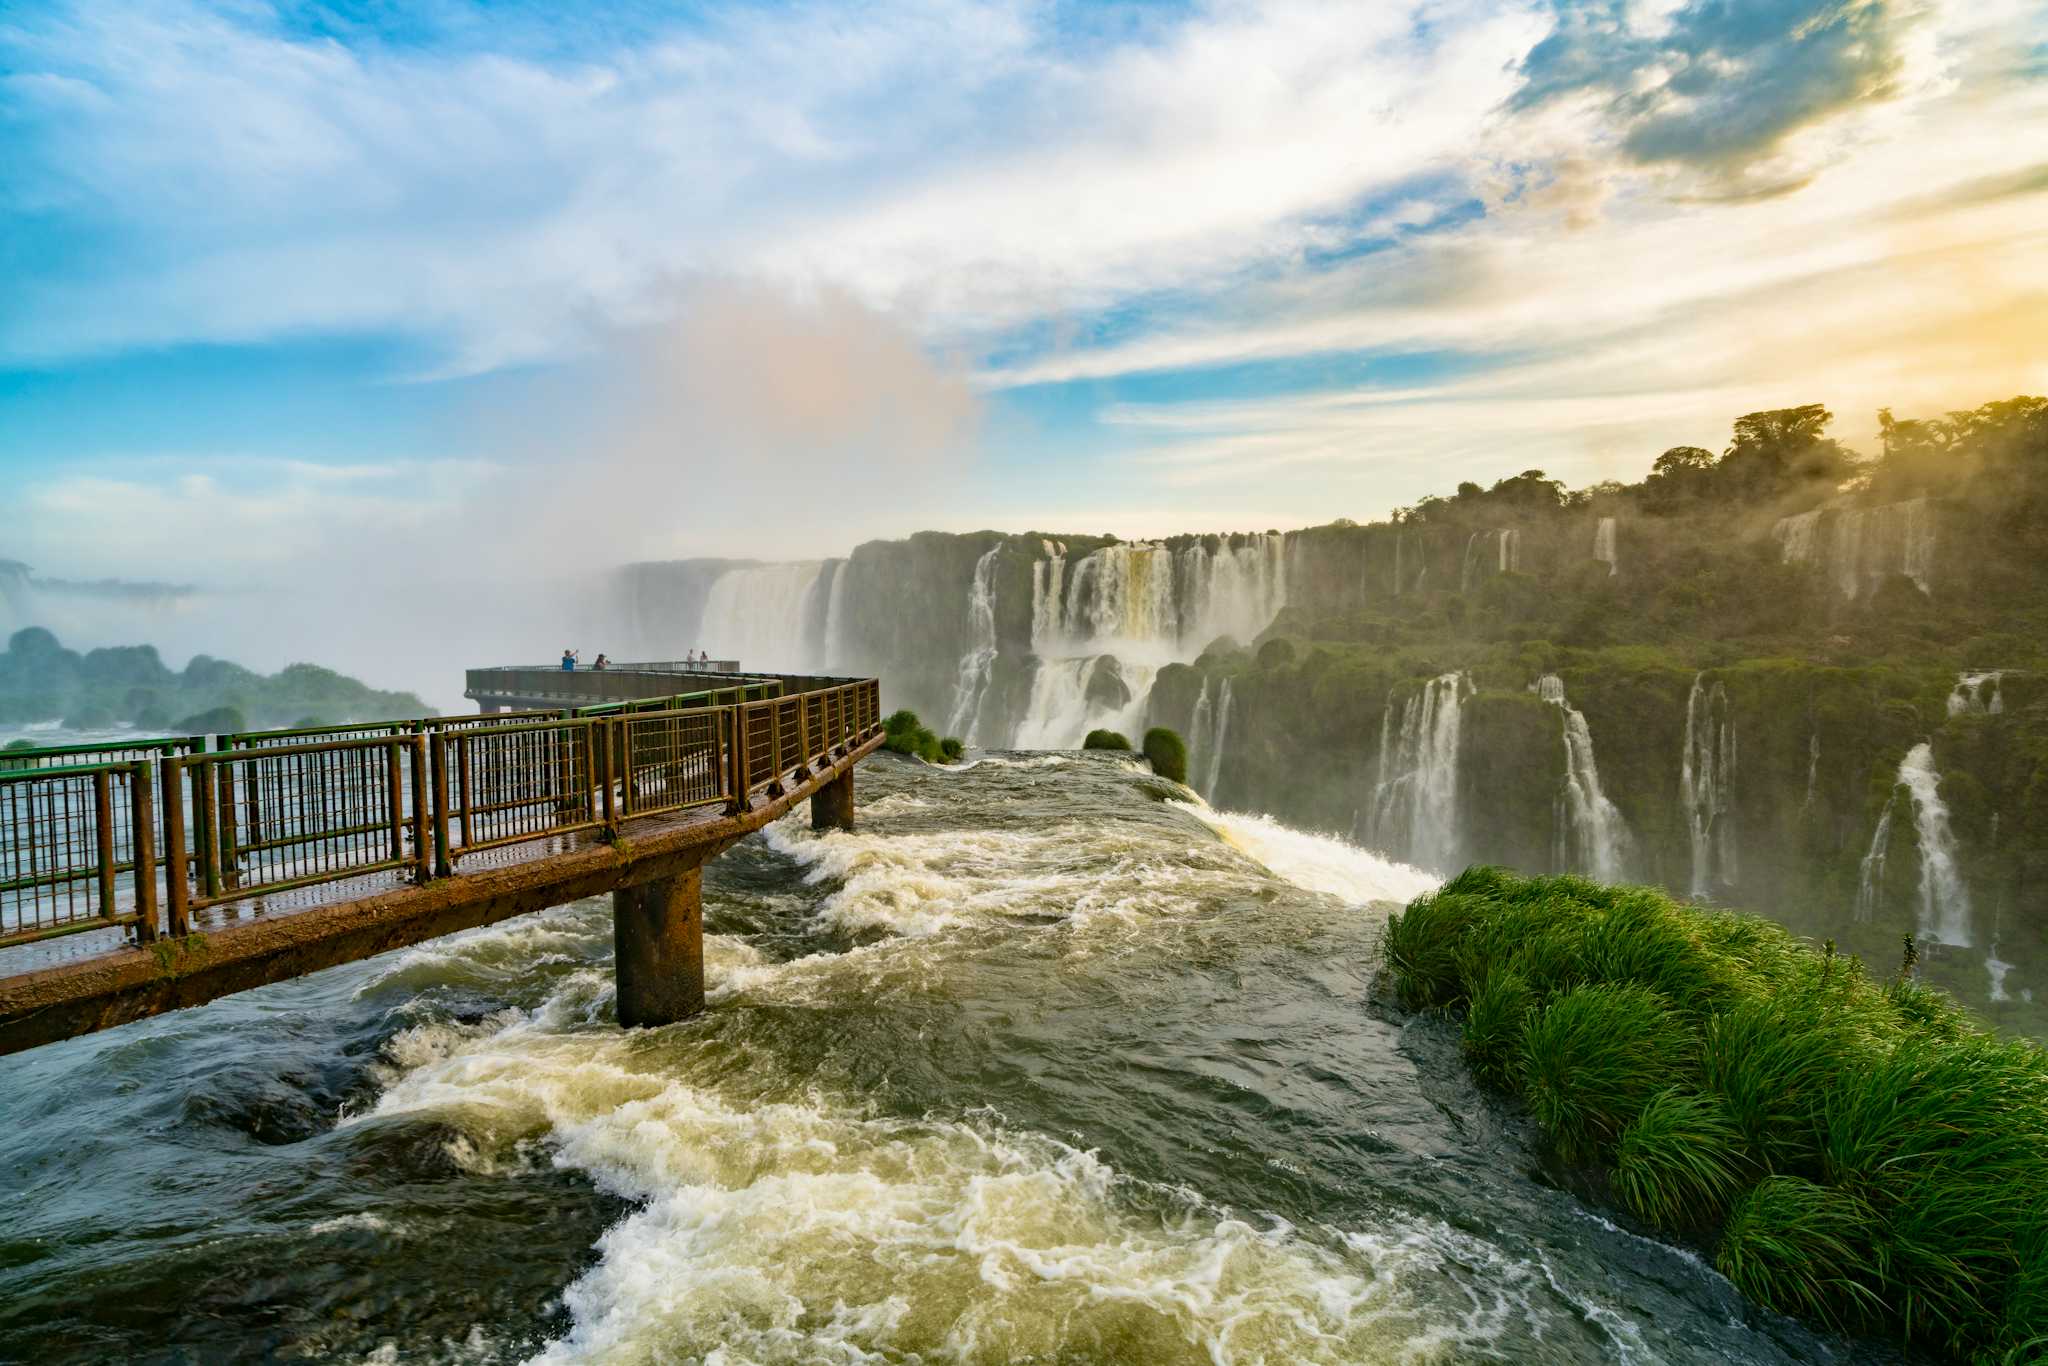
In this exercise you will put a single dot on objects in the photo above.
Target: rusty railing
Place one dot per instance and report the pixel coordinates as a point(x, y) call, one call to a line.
point(70, 835)
point(273, 811)
point(273, 819)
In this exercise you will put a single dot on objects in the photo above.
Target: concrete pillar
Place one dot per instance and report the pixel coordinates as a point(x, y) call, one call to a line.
point(832, 804)
point(658, 934)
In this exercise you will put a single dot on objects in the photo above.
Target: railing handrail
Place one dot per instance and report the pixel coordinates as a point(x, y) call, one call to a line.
point(269, 818)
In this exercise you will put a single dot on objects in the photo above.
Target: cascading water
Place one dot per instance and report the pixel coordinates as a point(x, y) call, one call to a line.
point(1415, 803)
point(1870, 881)
point(835, 643)
point(1498, 551)
point(1977, 692)
point(1603, 546)
point(1216, 743)
point(1812, 770)
point(757, 615)
point(1593, 837)
point(1858, 548)
point(1944, 899)
point(976, 663)
point(1142, 605)
point(1070, 697)
point(1706, 785)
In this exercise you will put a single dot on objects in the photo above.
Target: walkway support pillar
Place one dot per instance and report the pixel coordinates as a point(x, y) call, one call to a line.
point(658, 934)
point(832, 804)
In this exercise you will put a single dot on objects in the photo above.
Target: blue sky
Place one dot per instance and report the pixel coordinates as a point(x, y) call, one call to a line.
point(331, 279)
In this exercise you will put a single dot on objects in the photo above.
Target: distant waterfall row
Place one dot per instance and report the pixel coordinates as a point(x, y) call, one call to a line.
point(1856, 549)
point(1149, 600)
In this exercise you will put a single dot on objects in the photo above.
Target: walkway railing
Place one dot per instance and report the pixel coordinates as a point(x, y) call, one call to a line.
point(178, 825)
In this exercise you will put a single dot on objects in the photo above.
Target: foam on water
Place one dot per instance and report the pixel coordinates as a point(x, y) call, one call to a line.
point(1318, 863)
point(803, 1228)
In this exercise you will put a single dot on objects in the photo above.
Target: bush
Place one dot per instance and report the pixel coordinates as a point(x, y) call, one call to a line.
point(1867, 1156)
point(1105, 739)
point(1167, 753)
point(213, 721)
point(908, 735)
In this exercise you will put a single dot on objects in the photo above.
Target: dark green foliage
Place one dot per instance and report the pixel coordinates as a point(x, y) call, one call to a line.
point(1802, 1249)
point(1863, 1154)
point(213, 721)
point(908, 735)
point(1168, 754)
point(1495, 1021)
point(1584, 1088)
point(40, 680)
point(1105, 739)
point(1679, 1161)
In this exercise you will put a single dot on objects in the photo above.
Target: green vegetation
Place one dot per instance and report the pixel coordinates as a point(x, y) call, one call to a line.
point(1167, 753)
point(1105, 739)
point(1858, 1153)
point(908, 735)
point(40, 680)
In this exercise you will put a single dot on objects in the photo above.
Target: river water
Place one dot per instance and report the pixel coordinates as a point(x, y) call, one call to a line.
point(1038, 1065)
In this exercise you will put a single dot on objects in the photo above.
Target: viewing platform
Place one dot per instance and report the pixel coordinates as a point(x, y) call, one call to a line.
point(146, 876)
point(524, 687)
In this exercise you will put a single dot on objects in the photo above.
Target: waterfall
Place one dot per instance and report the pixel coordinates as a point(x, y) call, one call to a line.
point(1216, 744)
point(1144, 605)
point(1812, 769)
point(1415, 806)
point(1858, 548)
point(975, 664)
point(1944, 900)
point(1970, 693)
point(834, 643)
point(1202, 725)
point(1870, 882)
point(1599, 836)
point(1070, 697)
point(1706, 785)
point(1499, 549)
point(756, 615)
point(1603, 546)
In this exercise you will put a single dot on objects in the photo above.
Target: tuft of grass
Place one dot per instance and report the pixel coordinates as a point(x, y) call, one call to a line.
point(1105, 739)
point(1869, 1157)
point(1494, 1025)
point(1584, 1089)
point(1680, 1161)
point(1799, 1248)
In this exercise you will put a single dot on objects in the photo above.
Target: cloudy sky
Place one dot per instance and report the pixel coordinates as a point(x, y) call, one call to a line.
point(292, 282)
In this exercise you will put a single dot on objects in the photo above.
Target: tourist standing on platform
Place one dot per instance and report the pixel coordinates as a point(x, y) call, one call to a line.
point(568, 660)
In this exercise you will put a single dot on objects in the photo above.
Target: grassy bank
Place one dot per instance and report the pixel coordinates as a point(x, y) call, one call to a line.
point(1855, 1152)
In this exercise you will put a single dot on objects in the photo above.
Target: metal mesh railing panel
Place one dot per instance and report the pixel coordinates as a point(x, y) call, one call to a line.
point(270, 818)
point(671, 761)
point(67, 848)
point(513, 783)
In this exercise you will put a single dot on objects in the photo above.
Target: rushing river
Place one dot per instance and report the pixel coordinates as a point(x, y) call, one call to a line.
point(1037, 1066)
